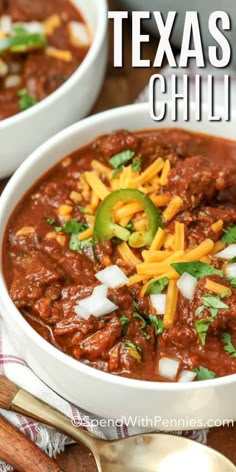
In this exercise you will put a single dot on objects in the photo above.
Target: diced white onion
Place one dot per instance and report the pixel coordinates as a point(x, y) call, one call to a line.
point(31, 27)
point(97, 306)
point(187, 285)
point(79, 34)
point(158, 301)
point(100, 290)
point(6, 24)
point(82, 312)
point(168, 368)
point(12, 81)
point(227, 253)
point(186, 376)
point(231, 270)
point(112, 276)
point(3, 68)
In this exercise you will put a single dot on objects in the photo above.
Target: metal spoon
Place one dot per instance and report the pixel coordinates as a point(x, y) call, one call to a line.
point(143, 453)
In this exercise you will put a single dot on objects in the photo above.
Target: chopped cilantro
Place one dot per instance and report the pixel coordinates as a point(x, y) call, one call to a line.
point(203, 373)
point(136, 164)
point(232, 280)
point(197, 269)
point(135, 305)
point(202, 326)
point(157, 286)
point(51, 221)
point(199, 310)
point(125, 323)
point(213, 304)
point(130, 226)
point(229, 347)
point(74, 227)
point(157, 324)
point(229, 236)
point(213, 301)
point(129, 345)
point(25, 101)
point(81, 209)
point(118, 161)
point(144, 324)
point(58, 229)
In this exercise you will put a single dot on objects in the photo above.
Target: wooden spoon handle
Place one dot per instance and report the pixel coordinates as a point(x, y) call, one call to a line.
point(21, 453)
point(8, 391)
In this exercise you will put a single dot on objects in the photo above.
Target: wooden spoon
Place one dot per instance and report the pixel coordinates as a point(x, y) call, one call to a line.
point(21, 453)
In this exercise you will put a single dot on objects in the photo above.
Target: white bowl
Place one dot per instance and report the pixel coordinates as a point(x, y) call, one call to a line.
point(24, 132)
point(98, 392)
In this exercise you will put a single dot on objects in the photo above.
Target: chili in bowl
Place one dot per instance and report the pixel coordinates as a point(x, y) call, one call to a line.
point(122, 257)
point(49, 52)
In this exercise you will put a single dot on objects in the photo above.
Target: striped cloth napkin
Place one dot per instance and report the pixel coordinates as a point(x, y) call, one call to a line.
point(15, 369)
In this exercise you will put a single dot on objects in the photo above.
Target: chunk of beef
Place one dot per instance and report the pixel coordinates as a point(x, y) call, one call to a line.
point(97, 345)
point(117, 142)
point(196, 180)
point(155, 145)
point(31, 275)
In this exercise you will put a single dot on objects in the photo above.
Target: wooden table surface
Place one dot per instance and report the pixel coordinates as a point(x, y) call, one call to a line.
point(121, 87)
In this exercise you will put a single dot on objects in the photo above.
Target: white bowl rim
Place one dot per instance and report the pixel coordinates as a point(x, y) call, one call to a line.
point(98, 39)
point(39, 340)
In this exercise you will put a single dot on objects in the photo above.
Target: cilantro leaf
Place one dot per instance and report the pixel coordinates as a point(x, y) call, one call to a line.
point(137, 164)
point(232, 280)
point(213, 301)
point(144, 324)
point(199, 310)
point(25, 100)
point(157, 286)
point(229, 347)
point(229, 236)
point(135, 305)
point(118, 161)
point(139, 317)
point(81, 209)
point(130, 226)
point(202, 326)
point(51, 221)
point(74, 243)
point(74, 227)
point(122, 158)
point(157, 324)
point(203, 373)
point(197, 269)
point(124, 323)
point(129, 345)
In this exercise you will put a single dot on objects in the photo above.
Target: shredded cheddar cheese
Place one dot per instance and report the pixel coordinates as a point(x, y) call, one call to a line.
point(179, 236)
point(155, 256)
point(158, 240)
point(171, 304)
point(51, 24)
point(86, 234)
point(165, 172)
point(217, 226)
point(217, 288)
point(127, 254)
point(65, 56)
point(96, 185)
point(173, 208)
point(147, 174)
